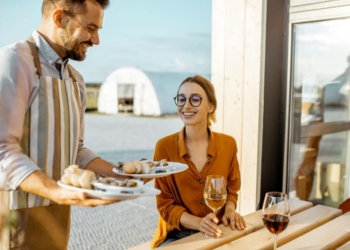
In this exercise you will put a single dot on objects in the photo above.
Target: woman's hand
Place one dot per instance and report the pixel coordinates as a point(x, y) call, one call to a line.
point(208, 225)
point(234, 218)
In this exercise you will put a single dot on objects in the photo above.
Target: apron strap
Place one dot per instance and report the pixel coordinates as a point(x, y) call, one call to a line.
point(71, 73)
point(35, 54)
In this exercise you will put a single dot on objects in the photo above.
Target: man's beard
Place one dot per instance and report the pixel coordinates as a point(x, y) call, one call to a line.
point(72, 50)
point(72, 46)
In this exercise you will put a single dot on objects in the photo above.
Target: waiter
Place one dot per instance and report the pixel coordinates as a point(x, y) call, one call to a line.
point(42, 104)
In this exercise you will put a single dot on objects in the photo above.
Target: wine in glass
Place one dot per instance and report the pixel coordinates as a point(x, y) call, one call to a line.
point(215, 192)
point(275, 213)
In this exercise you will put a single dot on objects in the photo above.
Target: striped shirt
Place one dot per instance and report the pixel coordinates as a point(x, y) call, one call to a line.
point(18, 82)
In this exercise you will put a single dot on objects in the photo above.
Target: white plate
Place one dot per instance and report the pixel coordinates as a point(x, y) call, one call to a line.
point(117, 189)
point(104, 195)
point(176, 167)
point(162, 168)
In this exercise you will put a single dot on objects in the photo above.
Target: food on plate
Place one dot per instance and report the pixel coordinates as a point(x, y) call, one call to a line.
point(116, 182)
point(140, 167)
point(146, 167)
point(77, 177)
point(132, 167)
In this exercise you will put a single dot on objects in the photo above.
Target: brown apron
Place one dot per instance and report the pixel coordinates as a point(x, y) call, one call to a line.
point(50, 139)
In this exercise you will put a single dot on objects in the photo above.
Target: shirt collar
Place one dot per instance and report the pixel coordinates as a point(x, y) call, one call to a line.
point(47, 51)
point(182, 144)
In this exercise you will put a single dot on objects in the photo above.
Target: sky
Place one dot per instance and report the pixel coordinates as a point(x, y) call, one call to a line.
point(152, 35)
point(322, 50)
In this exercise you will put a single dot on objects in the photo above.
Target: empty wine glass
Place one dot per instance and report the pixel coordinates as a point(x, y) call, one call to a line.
point(215, 192)
point(275, 213)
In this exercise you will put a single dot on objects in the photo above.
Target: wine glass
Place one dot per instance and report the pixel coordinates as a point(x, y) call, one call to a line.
point(215, 192)
point(275, 213)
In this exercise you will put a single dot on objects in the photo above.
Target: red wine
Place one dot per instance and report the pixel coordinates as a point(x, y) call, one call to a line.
point(275, 223)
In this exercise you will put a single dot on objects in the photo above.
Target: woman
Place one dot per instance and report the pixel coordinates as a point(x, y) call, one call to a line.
point(181, 205)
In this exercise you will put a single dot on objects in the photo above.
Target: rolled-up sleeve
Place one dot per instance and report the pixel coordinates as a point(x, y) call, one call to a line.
point(168, 207)
point(15, 92)
point(234, 176)
point(170, 212)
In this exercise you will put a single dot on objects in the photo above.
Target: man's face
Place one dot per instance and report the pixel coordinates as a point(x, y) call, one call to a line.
point(81, 32)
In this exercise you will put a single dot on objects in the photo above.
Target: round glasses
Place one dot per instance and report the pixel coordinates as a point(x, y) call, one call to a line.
point(195, 100)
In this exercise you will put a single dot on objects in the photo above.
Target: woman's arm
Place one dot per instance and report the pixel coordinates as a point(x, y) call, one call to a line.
point(234, 184)
point(207, 224)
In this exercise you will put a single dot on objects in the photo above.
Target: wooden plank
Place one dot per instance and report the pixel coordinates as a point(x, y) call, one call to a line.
point(233, 80)
point(307, 2)
point(229, 85)
point(321, 14)
point(324, 129)
point(299, 224)
point(254, 50)
point(253, 220)
point(328, 236)
point(143, 246)
point(346, 246)
point(238, 29)
point(321, 5)
point(218, 58)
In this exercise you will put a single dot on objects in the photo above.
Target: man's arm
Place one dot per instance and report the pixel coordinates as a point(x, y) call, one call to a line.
point(16, 87)
point(40, 184)
point(101, 166)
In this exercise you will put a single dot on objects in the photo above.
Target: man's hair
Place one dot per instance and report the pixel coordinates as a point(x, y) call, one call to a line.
point(72, 7)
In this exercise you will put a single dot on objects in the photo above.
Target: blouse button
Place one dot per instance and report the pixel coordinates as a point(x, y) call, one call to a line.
point(202, 201)
point(200, 181)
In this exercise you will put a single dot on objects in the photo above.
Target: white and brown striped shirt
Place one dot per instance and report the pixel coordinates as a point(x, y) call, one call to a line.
point(18, 84)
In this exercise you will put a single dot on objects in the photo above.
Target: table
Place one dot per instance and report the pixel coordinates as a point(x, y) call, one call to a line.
point(310, 227)
point(199, 241)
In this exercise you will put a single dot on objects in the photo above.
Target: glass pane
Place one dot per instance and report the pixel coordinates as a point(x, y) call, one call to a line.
point(319, 163)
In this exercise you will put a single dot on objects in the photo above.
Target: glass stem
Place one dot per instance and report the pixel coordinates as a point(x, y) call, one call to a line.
point(275, 242)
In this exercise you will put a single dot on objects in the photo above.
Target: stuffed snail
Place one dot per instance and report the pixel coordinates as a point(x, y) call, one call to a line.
point(77, 177)
point(141, 167)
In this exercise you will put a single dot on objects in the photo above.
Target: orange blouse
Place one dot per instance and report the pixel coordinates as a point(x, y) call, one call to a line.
point(184, 191)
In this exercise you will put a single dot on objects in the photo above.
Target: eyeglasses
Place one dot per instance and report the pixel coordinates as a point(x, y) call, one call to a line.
point(195, 100)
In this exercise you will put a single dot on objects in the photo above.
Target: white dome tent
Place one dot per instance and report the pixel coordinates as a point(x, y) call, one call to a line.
point(144, 93)
point(128, 88)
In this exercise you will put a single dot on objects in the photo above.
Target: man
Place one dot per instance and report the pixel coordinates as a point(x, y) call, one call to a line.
point(42, 104)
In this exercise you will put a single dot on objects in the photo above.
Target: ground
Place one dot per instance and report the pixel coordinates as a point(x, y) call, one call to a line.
point(125, 224)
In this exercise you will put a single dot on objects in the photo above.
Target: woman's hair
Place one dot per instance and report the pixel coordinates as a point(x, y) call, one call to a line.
point(209, 90)
point(72, 7)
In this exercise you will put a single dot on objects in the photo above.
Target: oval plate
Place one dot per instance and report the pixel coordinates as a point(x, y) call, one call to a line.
point(117, 189)
point(104, 195)
point(176, 167)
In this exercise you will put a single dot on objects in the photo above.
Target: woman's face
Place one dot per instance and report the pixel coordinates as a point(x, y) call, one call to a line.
point(190, 115)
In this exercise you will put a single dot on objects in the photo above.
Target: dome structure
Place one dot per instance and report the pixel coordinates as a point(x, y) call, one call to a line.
point(129, 89)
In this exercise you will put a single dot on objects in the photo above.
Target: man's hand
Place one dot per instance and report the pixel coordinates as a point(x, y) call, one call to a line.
point(71, 197)
point(40, 184)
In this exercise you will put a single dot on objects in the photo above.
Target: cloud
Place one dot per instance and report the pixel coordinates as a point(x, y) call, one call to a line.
point(188, 53)
point(181, 65)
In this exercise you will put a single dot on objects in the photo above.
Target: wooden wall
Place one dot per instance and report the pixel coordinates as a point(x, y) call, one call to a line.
point(238, 35)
